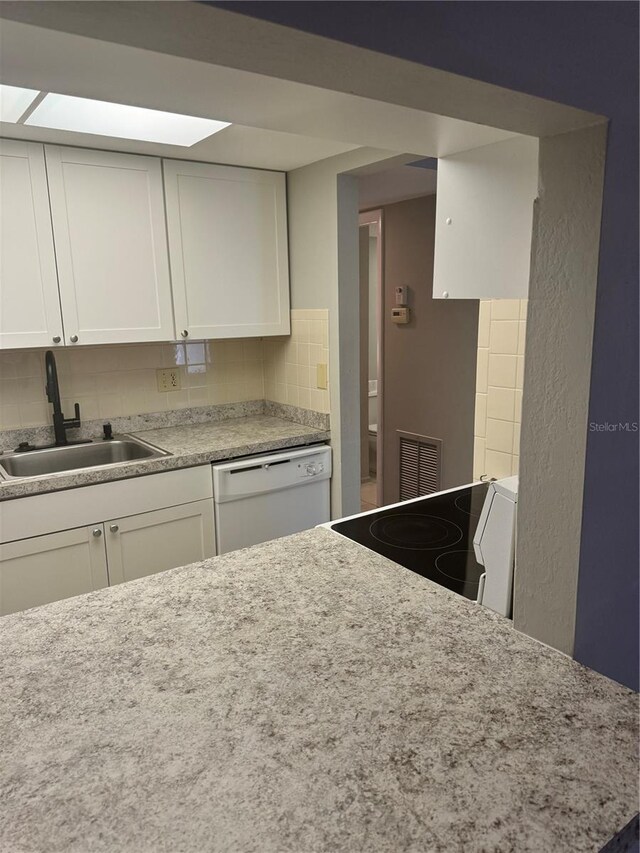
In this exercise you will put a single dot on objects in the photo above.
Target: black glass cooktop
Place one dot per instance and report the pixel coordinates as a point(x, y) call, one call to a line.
point(432, 536)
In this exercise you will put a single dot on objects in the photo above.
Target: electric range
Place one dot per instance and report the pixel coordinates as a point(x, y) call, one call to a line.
point(432, 536)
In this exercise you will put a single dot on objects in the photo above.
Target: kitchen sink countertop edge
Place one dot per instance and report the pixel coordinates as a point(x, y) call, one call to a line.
point(304, 694)
point(189, 445)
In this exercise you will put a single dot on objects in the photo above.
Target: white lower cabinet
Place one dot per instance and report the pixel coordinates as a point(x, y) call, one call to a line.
point(142, 545)
point(50, 550)
point(46, 568)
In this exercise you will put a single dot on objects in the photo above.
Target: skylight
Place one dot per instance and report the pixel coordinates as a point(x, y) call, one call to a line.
point(65, 112)
point(14, 102)
point(83, 115)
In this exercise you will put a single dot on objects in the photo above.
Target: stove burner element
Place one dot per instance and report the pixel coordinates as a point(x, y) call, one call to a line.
point(415, 531)
point(460, 566)
point(470, 503)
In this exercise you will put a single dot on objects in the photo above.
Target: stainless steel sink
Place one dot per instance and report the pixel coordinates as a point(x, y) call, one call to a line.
point(74, 457)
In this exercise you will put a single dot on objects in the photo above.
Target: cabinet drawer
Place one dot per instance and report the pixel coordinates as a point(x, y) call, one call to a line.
point(54, 511)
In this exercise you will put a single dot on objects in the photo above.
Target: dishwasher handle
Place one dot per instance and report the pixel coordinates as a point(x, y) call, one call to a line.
point(265, 465)
point(270, 473)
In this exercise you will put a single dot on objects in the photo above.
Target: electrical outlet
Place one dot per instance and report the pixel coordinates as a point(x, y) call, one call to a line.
point(321, 376)
point(168, 379)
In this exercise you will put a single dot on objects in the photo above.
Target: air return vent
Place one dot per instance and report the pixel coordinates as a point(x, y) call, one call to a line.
point(420, 458)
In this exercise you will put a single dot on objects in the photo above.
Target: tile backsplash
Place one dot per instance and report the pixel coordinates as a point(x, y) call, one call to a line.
point(291, 364)
point(500, 369)
point(113, 381)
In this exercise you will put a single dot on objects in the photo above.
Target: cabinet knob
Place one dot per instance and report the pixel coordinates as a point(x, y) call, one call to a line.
point(74, 339)
point(114, 528)
point(185, 333)
point(56, 339)
point(97, 531)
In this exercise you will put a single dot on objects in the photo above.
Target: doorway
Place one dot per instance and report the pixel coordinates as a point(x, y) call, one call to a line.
point(371, 360)
point(417, 353)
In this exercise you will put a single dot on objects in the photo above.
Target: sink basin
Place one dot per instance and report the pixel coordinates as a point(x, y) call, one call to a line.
point(74, 457)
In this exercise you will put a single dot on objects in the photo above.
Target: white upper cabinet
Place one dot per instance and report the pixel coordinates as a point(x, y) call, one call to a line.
point(109, 229)
point(29, 303)
point(484, 221)
point(227, 232)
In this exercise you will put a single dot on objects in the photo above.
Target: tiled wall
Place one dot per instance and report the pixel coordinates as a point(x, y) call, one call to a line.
point(110, 381)
point(501, 335)
point(290, 364)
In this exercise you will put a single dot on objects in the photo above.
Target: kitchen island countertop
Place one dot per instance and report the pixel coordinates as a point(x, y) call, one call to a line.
point(188, 444)
point(302, 695)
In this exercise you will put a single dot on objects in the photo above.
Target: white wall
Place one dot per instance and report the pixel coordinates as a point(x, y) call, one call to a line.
point(323, 252)
point(557, 370)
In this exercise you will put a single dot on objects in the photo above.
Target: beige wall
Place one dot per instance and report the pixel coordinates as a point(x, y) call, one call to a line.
point(501, 336)
point(291, 364)
point(429, 364)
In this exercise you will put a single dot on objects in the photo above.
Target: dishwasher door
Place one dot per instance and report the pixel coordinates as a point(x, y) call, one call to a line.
point(265, 497)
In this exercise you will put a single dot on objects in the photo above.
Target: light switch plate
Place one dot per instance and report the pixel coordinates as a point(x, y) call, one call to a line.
point(321, 376)
point(168, 379)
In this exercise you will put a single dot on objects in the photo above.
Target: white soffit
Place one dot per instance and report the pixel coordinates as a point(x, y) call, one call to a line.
point(235, 145)
point(76, 65)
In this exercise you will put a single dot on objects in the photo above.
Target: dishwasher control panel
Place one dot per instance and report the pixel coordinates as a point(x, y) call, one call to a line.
point(310, 469)
point(255, 475)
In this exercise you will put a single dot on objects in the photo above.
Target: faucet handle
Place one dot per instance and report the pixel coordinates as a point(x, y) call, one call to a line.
point(74, 422)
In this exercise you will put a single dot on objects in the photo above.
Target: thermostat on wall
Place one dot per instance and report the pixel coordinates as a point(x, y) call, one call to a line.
point(400, 315)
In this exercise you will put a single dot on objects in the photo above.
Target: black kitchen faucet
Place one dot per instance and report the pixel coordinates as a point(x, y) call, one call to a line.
point(60, 423)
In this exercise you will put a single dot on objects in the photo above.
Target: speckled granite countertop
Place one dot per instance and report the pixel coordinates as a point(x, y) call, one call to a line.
point(192, 444)
point(303, 695)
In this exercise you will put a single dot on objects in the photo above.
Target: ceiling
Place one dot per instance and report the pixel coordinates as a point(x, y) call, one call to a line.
point(397, 184)
point(276, 123)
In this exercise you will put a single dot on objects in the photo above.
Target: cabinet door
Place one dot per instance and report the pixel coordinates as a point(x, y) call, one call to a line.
point(29, 301)
point(47, 568)
point(144, 544)
point(227, 232)
point(484, 221)
point(109, 230)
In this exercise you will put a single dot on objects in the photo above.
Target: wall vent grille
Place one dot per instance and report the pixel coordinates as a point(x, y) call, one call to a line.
point(420, 463)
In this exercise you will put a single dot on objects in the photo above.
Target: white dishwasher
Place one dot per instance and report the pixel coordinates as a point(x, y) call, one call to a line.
point(265, 497)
